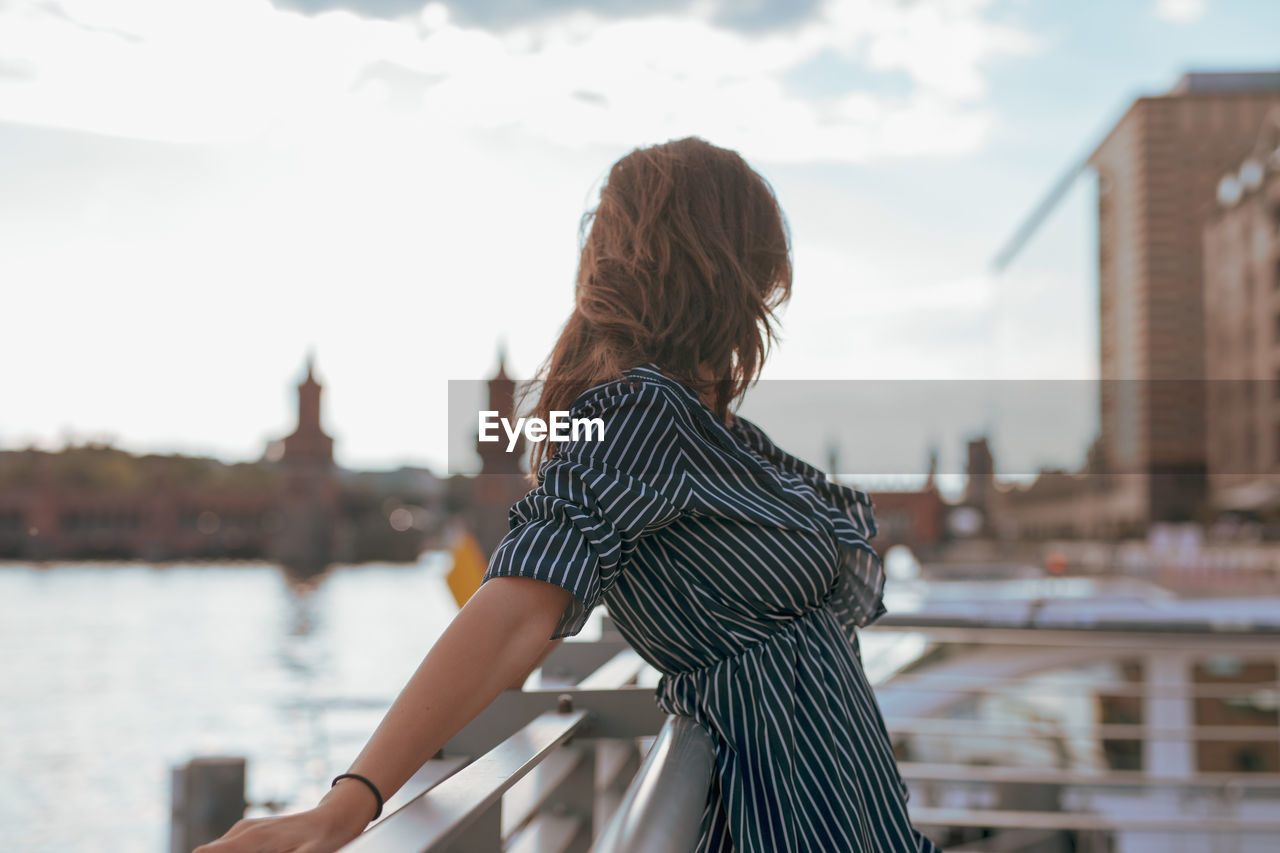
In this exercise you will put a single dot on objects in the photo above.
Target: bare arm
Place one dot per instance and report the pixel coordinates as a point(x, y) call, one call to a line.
point(520, 680)
point(494, 642)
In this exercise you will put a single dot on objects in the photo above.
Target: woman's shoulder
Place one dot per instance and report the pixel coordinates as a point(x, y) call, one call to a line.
point(643, 390)
point(635, 423)
point(755, 437)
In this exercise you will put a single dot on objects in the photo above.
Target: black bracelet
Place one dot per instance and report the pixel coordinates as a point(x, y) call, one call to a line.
point(372, 787)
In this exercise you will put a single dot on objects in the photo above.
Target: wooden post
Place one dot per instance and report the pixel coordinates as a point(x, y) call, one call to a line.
point(208, 798)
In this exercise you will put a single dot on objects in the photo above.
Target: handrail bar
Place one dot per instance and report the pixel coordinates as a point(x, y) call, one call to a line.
point(902, 683)
point(1035, 729)
point(1039, 622)
point(553, 771)
point(995, 774)
point(1089, 821)
point(662, 808)
point(1098, 636)
point(619, 671)
point(968, 684)
point(447, 810)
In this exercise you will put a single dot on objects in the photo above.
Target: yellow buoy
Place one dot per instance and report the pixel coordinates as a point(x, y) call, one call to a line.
point(468, 568)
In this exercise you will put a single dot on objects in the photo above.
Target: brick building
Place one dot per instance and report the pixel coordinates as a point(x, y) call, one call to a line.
point(306, 494)
point(482, 502)
point(914, 518)
point(1242, 330)
point(295, 506)
point(1158, 170)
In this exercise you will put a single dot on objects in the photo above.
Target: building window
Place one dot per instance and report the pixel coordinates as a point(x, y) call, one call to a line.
point(1229, 688)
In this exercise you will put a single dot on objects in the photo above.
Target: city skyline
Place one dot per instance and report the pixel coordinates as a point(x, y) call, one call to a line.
point(183, 237)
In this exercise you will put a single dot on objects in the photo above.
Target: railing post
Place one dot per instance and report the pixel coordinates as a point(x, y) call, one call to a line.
point(207, 799)
point(484, 835)
point(1168, 709)
point(575, 796)
point(618, 760)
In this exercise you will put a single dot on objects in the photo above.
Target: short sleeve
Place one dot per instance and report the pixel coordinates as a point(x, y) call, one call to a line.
point(596, 496)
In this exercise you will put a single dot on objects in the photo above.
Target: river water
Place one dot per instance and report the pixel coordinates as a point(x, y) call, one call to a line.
point(110, 674)
point(113, 673)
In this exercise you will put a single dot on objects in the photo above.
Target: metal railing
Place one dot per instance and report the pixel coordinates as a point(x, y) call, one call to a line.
point(563, 766)
point(462, 812)
point(1169, 803)
point(662, 811)
point(556, 743)
point(555, 765)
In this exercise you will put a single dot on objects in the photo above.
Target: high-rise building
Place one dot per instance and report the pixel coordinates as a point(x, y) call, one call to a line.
point(1242, 329)
point(1158, 170)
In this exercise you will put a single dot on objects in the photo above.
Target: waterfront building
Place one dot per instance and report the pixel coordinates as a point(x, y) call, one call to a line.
point(482, 501)
point(307, 490)
point(1157, 171)
point(295, 505)
point(1242, 331)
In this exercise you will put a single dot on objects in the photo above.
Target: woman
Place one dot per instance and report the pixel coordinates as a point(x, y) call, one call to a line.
point(737, 570)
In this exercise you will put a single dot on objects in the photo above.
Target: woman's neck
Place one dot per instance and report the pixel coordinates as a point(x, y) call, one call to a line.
point(707, 374)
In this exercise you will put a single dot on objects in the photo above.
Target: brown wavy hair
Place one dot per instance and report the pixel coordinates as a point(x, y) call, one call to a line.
point(684, 262)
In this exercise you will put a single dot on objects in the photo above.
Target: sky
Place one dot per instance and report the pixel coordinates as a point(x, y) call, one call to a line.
point(196, 194)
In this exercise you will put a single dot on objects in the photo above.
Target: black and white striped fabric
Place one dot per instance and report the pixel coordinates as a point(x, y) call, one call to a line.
point(742, 574)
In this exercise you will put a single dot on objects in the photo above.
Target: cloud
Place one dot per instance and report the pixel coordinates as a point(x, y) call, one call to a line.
point(394, 84)
point(235, 70)
point(1181, 11)
point(755, 16)
point(372, 177)
point(15, 70)
point(57, 11)
point(364, 8)
point(588, 97)
point(504, 15)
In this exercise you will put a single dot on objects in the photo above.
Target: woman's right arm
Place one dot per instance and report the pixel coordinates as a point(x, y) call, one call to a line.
point(497, 638)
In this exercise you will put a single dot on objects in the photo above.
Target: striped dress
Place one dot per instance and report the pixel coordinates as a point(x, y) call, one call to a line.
point(741, 573)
